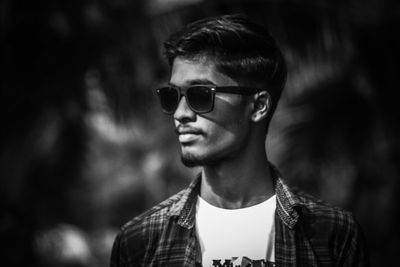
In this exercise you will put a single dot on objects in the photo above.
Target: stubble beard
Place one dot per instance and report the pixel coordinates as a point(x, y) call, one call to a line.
point(211, 159)
point(191, 161)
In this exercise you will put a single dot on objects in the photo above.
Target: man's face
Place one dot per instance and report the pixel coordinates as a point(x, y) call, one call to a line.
point(207, 139)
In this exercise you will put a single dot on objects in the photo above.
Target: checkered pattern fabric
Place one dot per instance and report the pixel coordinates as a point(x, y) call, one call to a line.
point(308, 233)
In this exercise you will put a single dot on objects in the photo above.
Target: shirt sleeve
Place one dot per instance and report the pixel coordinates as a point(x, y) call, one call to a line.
point(118, 258)
point(352, 250)
point(128, 248)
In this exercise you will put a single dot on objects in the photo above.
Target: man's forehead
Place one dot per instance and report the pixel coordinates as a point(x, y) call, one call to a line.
point(197, 71)
point(200, 62)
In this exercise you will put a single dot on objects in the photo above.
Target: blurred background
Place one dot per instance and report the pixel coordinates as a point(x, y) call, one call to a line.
point(84, 146)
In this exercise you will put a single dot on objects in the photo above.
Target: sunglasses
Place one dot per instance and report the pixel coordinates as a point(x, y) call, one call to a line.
point(200, 98)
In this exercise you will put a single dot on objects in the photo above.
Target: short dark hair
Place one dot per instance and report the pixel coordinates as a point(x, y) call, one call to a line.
point(241, 49)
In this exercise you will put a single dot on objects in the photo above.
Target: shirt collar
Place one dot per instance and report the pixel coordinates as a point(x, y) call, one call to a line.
point(286, 203)
point(184, 209)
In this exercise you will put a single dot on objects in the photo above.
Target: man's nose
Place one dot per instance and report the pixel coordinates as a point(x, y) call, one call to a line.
point(183, 111)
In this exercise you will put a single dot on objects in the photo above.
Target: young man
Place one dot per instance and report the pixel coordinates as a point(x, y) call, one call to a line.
point(227, 75)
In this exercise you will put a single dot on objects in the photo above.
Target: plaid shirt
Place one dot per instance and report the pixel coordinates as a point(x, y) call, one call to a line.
point(308, 233)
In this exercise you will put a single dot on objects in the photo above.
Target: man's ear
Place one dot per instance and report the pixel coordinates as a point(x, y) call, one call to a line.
point(262, 106)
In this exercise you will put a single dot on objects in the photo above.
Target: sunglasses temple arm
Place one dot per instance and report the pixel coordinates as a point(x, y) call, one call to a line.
point(238, 90)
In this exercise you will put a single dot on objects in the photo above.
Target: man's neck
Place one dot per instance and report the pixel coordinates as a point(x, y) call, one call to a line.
point(238, 182)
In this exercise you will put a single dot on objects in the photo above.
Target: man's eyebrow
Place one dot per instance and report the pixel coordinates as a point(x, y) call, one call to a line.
point(201, 81)
point(196, 82)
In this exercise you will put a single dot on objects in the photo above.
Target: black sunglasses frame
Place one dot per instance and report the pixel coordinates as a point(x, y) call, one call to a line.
point(182, 91)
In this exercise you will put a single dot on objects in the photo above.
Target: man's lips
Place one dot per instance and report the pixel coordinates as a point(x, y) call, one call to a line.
point(187, 134)
point(187, 138)
point(187, 130)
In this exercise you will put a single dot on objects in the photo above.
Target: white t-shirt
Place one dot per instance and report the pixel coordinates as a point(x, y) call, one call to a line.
point(236, 236)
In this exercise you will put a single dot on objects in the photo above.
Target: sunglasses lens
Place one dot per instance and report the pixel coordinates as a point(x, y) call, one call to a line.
point(200, 98)
point(168, 97)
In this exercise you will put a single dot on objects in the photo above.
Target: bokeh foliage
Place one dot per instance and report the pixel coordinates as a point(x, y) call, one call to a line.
point(84, 146)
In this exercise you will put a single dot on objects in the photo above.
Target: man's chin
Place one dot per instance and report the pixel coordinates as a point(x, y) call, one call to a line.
point(192, 161)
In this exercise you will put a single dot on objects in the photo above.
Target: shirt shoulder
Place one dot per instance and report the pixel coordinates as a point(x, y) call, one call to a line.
point(136, 237)
point(294, 205)
point(314, 209)
point(156, 215)
point(328, 226)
